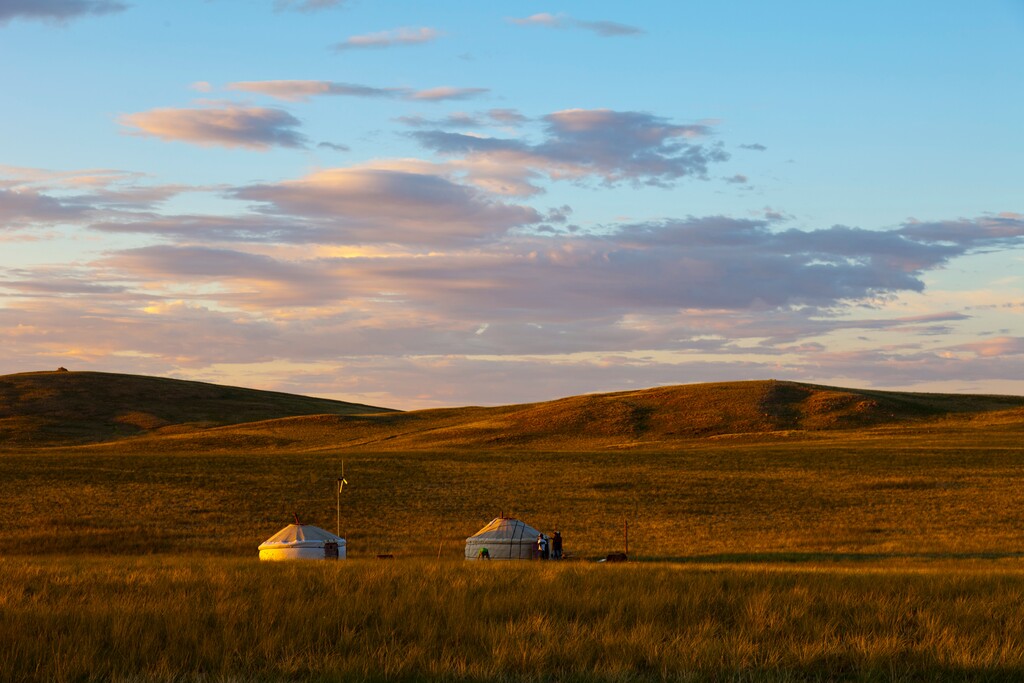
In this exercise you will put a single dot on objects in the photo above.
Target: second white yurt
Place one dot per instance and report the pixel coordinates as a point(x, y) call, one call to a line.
point(303, 542)
point(505, 539)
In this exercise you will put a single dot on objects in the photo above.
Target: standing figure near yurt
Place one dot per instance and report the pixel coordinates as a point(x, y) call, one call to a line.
point(505, 539)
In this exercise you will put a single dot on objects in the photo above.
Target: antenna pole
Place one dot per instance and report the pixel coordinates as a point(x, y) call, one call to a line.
point(341, 482)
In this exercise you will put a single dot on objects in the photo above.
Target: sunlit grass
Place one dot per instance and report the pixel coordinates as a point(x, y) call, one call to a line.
point(163, 618)
point(888, 496)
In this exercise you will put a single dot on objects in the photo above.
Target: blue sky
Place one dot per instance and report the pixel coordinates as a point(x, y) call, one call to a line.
point(420, 204)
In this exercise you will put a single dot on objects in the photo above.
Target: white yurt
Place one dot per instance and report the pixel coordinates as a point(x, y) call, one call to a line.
point(505, 539)
point(303, 542)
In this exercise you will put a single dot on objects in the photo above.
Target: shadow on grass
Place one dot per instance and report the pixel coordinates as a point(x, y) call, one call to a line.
point(825, 557)
point(828, 671)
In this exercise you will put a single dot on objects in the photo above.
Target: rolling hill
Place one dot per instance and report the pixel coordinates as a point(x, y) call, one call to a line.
point(72, 409)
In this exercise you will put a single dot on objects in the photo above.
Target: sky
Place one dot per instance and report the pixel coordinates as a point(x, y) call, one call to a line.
point(416, 205)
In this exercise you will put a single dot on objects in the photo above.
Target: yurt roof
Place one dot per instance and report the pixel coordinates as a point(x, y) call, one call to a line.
point(505, 530)
point(300, 535)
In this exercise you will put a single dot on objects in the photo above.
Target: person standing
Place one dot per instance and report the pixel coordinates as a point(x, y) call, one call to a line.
point(542, 547)
point(556, 545)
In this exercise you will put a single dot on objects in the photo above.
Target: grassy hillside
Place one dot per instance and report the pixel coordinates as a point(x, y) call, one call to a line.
point(65, 408)
point(78, 408)
point(662, 418)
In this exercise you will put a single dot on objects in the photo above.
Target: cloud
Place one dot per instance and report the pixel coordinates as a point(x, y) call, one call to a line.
point(454, 120)
point(484, 263)
point(612, 145)
point(206, 262)
point(1001, 229)
point(57, 282)
point(306, 5)
point(737, 179)
point(20, 208)
point(448, 93)
point(605, 29)
point(38, 197)
point(690, 299)
point(233, 126)
point(295, 91)
point(300, 91)
point(482, 269)
point(997, 347)
point(200, 227)
point(334, 146)
point(383, 39)
point(401, 264)
point(754, 147)
point(608, 29)
point(492, 118)
point(374, 205)
point(700, 263)
point(508, 117)
point(59, 11)
point(540, 19)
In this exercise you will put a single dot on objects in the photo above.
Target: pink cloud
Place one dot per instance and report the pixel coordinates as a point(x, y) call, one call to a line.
point(995, 347)
point(382, 39)
point(303, 90)
point(373, 205)
point(614, 146)
point(297, 90)
point(233, 126)
point(448, 93)
point(605, 29)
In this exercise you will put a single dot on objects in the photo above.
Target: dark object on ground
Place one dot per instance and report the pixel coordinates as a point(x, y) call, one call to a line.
point(616, 557)
point(62, 369)
point(385, 557)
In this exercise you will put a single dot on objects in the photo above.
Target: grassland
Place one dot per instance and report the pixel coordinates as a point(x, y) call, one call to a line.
point(229, 619)
point(160, 415)
point(71, 408)
point(778, 532)
point(944, 494)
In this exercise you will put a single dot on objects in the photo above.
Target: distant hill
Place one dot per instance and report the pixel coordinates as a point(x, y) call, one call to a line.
point(80, 408)
point(69, 408)
point(650, 418)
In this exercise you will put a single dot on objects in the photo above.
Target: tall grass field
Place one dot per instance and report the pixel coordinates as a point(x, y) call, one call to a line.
point(785, 533)
point(895, 496)
point(220, 619)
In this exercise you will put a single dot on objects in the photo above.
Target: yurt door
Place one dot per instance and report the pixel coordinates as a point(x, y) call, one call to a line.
point(330, 551)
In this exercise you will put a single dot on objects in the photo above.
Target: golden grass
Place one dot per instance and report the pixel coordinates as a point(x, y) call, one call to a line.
point(784, 532)
point(67, 408)
point(945, 493)
point(62, 409)
point(665, 418)
point(93, 619)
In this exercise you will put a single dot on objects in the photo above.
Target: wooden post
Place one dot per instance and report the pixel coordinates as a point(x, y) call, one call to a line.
point(626, 535)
